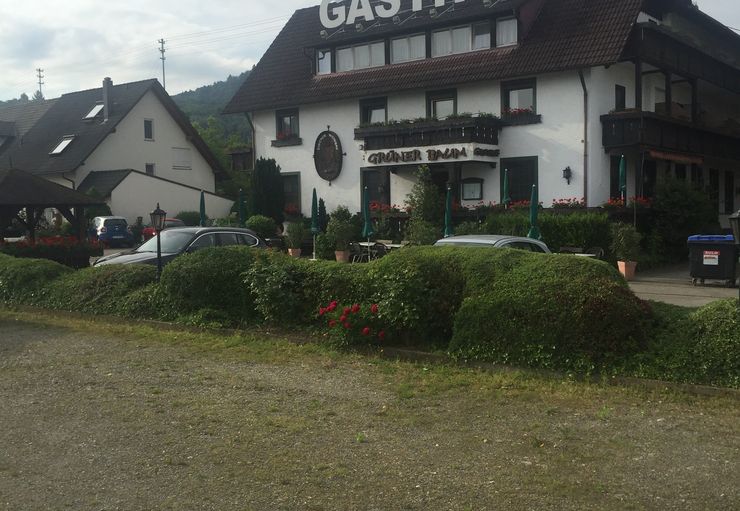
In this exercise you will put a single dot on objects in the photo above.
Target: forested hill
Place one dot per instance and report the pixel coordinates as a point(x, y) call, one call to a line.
point(209, 101)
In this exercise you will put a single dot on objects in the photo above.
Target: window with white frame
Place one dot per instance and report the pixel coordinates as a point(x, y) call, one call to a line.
point(506, 32)
point(323, 62)
point(404, 49)
point(93, 113)
point(361, 56)
point(181, 158)
point(62, 145)
point(461, 39)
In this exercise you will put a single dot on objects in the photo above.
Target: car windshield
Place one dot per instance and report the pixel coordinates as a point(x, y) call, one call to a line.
point(172, 242)
point(113, 222)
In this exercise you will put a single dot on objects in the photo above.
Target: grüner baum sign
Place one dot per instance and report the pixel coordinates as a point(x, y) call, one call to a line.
point(334, 15)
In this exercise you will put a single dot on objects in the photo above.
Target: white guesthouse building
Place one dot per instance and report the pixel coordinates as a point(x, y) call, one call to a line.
point(555, 91)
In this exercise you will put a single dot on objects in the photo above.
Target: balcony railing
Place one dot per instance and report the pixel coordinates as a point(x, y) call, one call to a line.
point(650, 130)
point(483, 130)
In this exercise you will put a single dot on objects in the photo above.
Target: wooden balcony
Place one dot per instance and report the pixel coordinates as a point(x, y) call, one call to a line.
point(648, 130)
point(483, 130)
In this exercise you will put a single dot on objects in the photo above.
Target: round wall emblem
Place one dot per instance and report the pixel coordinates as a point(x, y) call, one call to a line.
point(327, 155)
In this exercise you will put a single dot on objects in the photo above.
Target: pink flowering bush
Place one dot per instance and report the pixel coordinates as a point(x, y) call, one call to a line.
point(353, 325)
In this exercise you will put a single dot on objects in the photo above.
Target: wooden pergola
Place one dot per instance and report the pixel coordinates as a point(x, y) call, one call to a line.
point(21, 191)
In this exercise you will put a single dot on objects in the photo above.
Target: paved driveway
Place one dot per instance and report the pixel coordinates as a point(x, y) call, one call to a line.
point(673, 285)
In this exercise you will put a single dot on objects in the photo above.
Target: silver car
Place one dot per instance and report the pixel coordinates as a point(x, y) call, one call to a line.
point(494, 240)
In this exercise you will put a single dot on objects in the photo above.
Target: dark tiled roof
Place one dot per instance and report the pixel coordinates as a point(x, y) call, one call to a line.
point(64, 116)
point(25, 115)
point(104, 182)
point(565, 34)
point(18, 188)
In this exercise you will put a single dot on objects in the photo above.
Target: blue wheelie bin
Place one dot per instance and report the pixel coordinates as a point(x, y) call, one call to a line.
point(713, 258)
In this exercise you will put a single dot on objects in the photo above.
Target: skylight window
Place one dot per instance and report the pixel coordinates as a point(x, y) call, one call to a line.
point(62, 145)
point(94, 112)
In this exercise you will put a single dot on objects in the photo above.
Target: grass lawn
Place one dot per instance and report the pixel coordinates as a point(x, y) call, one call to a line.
point(98, 416)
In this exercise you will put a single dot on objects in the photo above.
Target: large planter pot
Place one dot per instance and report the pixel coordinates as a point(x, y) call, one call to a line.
point(627, 268)
point(342, 256)
point(294, 252)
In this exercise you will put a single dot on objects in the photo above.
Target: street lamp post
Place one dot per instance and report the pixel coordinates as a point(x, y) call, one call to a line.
point(157, 217)
point(735, 224)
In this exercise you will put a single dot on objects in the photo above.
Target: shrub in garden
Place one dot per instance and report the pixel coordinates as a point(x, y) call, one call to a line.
point(264, 226)
point(211, 279)
point(21, 280)
point(421, 232)
point(267, 196)
point(716, 352)
point(419, 290)
point(64, 250)
point(681, 211)
point(98, 290)
point(352, 325)
point(544, 310)
point(275, 282)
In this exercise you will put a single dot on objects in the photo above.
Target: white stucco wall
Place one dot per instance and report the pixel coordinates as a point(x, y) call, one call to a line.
point(558, 142)
point(138, 195)
point(126, 148)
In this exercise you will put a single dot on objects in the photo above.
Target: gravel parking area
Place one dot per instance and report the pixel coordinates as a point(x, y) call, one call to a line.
point(107, 418)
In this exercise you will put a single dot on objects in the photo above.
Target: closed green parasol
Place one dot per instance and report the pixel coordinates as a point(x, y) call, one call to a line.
point(202, 208)
point(449, 230)
point(534, 207)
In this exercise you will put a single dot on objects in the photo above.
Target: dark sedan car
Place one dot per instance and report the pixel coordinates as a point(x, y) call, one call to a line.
point(184, 240)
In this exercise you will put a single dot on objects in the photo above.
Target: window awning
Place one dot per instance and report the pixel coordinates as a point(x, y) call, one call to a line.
point(683, 159)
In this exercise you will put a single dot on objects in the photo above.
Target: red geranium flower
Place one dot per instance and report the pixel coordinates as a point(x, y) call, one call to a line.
point(343, 318)
point(322, 311)
point(374, 308)
point(366, 330)
point(346, 311)
point(347, 325)
point(356, 308)
point(381, 335)
point(332, 323)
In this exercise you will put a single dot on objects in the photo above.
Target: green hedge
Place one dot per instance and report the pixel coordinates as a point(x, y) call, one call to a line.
point(97, 290)
point(503, 306)
point(21, 279)
point(210, 280)
point(577, 229)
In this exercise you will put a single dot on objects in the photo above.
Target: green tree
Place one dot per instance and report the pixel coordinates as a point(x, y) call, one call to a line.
point(267, 190)
point(38, 96)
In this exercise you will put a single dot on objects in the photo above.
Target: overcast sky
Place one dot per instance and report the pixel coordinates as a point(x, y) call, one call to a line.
point(79, 42)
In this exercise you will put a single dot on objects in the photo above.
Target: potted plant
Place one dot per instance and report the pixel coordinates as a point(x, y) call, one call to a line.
point(626, 247)
point(294, 235)
point(340, 233)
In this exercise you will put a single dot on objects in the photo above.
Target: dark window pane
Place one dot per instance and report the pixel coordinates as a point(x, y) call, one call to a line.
point(614, 177)
point(522, 175)
point(620, 97)
point(205, 241)
point(378, 186)
point(292, 190)
point(227, 238)
point(148, 129)
point(246, 239)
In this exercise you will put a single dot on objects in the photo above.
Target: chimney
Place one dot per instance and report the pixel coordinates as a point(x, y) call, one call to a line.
point(107, 86)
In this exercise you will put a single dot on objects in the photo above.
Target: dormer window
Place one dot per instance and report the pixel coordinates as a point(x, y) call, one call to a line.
point(506, 32)
point(62, 145)
point(94, 112)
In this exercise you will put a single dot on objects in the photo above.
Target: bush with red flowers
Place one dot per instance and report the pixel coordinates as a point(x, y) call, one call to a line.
point(66, 250)
point(353, 325)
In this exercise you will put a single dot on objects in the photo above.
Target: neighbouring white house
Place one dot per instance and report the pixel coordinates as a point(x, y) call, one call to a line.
point(355, 94)
point(129, 142)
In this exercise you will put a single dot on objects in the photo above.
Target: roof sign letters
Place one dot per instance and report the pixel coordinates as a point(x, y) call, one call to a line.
point(334, 15)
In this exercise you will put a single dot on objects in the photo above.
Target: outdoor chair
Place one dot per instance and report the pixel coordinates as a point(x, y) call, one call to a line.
point(358, 253)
